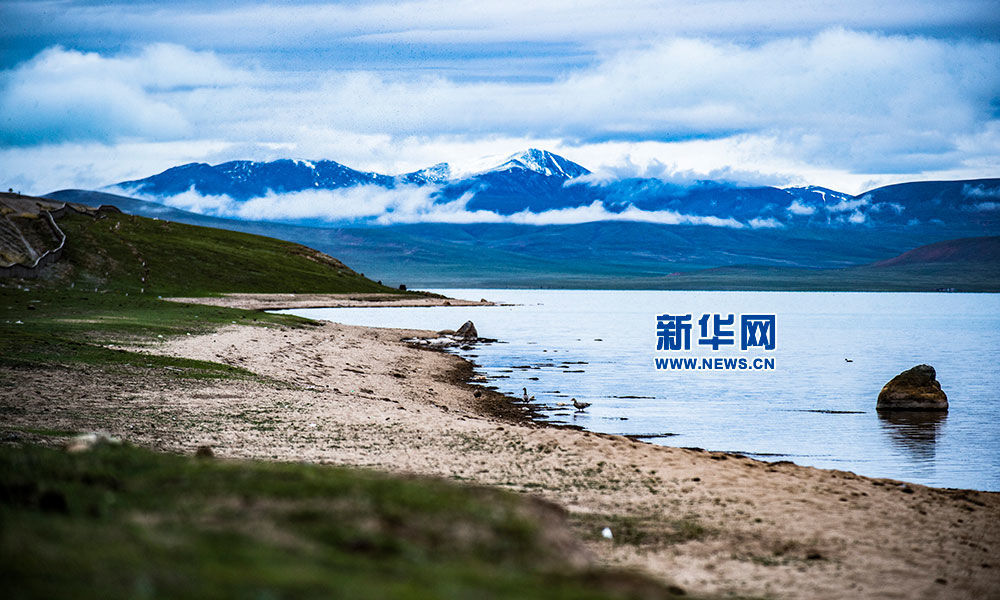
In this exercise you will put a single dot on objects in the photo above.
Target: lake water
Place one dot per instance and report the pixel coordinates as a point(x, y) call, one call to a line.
point(814, 408)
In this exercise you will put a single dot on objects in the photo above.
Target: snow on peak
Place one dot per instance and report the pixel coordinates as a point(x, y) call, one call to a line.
point(544, 162)
point(438, 173)
point(532, 159)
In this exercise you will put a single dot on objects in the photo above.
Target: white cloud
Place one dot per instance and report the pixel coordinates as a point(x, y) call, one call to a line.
point(846, 106)
point(66, 95)
point(407, 203)
point(980, 191)
point(671, 173)
point(768, 223)
point(588, 24)
point(849, 204)
point(414, 204)
point(798, 208)
point(888, 206)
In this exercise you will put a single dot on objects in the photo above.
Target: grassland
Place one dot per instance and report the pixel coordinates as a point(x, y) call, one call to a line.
point(134, 255)
point(121, 522)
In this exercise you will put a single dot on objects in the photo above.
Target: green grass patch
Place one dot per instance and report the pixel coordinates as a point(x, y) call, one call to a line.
point(121, 522)
point(134, 254)
point(41, 327)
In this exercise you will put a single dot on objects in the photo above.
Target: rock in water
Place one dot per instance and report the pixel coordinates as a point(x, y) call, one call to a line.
point(467, 331)
point(914, 389)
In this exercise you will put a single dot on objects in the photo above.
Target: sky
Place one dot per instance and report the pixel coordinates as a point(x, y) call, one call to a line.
point(847, 94)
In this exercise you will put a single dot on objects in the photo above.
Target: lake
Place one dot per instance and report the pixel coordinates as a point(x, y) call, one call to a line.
point(832, 354)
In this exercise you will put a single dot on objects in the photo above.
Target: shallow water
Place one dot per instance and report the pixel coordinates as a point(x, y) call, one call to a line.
point(815, 408)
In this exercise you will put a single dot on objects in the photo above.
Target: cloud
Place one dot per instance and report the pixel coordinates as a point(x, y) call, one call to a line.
point(839, 96)
point(597, 212)
point(376, 205)
point(532, 30)
point(849, 204)
point(66, 95)
point(888, 206)
point(800, 209)
point(403, 204)
point(768, 223)
point(980, 191)
point(853, 106)
point(656, 169)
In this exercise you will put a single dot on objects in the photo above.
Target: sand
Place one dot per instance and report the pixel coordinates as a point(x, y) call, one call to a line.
point(710, 522)
point(279, 301)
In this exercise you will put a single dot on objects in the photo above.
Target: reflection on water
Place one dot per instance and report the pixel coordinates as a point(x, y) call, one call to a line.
point(914, 432)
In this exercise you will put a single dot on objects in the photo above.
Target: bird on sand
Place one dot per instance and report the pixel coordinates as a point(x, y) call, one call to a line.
point(477, 394)
point(580, 406)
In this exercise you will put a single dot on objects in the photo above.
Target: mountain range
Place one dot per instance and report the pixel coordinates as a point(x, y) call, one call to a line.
point(536, 181)
point(707, 224)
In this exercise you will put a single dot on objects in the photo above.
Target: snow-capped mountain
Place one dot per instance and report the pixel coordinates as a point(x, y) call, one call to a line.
point(542, 162)
point(538, 161)
point(243, 179)
point(438, 173)
point(536, 181)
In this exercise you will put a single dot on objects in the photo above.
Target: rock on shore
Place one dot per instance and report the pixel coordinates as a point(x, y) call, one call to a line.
point(913, 389)
point(467, 331)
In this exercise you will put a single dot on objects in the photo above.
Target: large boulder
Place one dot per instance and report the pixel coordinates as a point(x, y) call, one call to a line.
point(467, 331)
point(913, 389)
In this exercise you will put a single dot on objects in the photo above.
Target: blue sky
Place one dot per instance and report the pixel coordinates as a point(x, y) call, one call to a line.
point(845, 94)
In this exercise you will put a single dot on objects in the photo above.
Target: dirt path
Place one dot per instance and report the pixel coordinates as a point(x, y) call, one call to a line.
point(712, 523)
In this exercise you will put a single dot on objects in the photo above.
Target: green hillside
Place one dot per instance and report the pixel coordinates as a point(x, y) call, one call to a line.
point(135, 254)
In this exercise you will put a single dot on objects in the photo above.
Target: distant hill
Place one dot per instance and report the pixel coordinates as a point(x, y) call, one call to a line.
point(978, 250)
point(620, 255)
point(137, 254)
point(963, 265)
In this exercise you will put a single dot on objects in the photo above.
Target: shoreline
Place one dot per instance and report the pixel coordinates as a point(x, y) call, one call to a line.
point(356, 300)
point(714, 523)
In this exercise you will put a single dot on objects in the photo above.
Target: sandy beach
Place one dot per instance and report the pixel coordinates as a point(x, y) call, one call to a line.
point(280, 301)
point(710, 522)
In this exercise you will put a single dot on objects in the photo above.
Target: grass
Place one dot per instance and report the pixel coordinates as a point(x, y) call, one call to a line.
point(106, 287)
point(121, 522)
point(134, 254)
point(39, 328)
